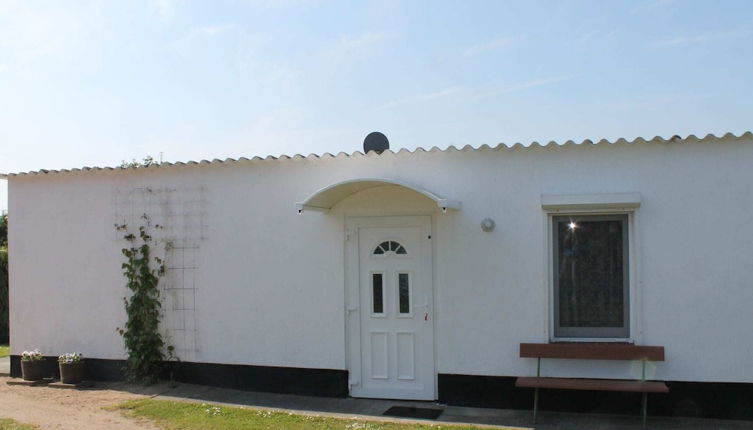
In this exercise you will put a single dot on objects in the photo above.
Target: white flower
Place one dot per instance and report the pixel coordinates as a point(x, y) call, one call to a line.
point(213, 411)
point(70, 358)
point(33, 355)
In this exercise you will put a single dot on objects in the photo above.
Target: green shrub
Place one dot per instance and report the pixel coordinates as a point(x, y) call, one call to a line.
point(143, 341)
point(4, 230)
point(4, 331)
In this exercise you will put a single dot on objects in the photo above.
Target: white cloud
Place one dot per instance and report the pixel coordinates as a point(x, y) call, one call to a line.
point(270, 4)
point(165, 9)
point(30, 34)
point(185, 44)
point(211, 30)
point(533, 83)
point(278, 131)
point(697, 39)
point(518, 86)
point(422, 98)
point(350, 49)
point(595, 36)
point(587, 36)
point(651, 5)
point(359, 44)
point(249, 60)
point(488, 46)
point(476, 94)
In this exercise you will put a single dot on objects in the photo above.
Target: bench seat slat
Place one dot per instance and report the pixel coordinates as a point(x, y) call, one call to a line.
point(593, 384)
point(592, 351)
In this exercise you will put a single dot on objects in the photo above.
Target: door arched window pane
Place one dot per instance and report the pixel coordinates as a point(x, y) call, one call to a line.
point(390, 246)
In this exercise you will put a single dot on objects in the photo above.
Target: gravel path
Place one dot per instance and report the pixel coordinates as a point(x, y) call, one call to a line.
point(51, 408)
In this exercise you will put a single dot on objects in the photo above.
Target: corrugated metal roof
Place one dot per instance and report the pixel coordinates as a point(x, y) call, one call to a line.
point(501, 146)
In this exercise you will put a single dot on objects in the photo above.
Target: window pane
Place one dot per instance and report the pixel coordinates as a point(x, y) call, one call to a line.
point(378, 296)
point(388, 246)
point(404, 288)
point(591, 272)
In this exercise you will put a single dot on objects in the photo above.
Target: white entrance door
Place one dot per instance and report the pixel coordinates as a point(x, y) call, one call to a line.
point(390, 321)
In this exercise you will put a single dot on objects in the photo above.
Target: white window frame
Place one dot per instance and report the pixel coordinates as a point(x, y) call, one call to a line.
point(595, 204)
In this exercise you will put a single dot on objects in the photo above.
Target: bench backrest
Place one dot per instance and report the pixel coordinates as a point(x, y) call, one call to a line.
point(592, 351)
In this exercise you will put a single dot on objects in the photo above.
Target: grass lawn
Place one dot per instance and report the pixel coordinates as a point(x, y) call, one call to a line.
point(9, 424)
point(189, 416)
point(4, 352)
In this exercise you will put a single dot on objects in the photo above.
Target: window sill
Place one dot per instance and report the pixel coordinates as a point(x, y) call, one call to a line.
point(591, 340)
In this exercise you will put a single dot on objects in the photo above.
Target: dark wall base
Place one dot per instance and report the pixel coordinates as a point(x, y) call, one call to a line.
point(285, 380)
point(688, 399)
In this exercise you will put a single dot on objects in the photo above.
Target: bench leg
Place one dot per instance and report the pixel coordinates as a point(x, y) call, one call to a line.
point(645, 408)
point(535, 403)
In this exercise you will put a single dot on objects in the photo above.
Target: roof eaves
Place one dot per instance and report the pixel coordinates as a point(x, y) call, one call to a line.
point(450, 148)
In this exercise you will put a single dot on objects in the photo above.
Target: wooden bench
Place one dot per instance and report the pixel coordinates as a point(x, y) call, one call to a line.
point(592, 351)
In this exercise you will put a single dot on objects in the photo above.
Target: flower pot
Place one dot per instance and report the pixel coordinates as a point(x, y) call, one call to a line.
point(34, 370)
point(71, 373)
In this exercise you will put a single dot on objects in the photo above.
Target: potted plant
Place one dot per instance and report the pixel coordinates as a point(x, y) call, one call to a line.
point(71, 368)
point(33, 365)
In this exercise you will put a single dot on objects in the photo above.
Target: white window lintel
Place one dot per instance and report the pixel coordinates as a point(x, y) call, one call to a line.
point(564, 202)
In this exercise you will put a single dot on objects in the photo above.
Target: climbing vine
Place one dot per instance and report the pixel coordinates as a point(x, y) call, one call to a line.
point(144, 343)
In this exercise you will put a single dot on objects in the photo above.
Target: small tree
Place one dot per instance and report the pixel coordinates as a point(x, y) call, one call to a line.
point(145, 162)
point(143, 341)
point(3, 230)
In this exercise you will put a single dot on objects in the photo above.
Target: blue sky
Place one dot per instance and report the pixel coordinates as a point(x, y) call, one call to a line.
point(94, 83)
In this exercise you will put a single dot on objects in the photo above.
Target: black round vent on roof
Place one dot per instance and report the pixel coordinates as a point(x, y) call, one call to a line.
point(376, 142)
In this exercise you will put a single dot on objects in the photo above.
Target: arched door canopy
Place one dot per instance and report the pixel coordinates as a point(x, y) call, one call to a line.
point(324, 199)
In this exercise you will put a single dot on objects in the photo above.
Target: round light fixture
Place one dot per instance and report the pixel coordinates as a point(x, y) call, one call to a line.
point(487, 225)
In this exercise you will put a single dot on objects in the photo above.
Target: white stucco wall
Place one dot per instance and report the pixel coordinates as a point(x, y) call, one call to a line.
point(269, 284)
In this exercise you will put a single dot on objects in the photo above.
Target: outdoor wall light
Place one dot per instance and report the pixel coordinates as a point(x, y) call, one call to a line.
point(487, 225)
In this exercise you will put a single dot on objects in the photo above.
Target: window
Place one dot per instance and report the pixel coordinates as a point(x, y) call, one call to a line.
point(591, 289)
point(390, 245)
point(403, 293)
point(377, 293)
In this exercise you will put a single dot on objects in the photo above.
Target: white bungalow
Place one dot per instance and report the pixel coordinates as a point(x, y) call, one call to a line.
point(411, 275)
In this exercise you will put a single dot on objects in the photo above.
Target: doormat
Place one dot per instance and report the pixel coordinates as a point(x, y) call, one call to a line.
point(413, 412)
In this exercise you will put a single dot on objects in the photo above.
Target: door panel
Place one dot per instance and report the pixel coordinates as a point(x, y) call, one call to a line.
point(405, 356)
point(379, 362)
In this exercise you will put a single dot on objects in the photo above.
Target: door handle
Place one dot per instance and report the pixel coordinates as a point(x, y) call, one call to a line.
point(425, 307)
point(350, 310)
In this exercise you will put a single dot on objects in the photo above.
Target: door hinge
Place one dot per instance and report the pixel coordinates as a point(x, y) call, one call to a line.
point(348, 233)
